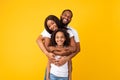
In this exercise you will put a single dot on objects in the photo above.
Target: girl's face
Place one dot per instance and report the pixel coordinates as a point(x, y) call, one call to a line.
point(52, 25)
point(60, 38)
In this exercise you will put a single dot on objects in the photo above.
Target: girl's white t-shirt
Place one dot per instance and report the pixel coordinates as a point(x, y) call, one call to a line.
point(59, 71)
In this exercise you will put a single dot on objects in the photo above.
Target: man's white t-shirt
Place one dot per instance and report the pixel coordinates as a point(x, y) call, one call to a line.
point(74, 33)
point(59, 71)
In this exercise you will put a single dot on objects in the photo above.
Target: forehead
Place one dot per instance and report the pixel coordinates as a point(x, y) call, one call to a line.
point(50, 21)
point(59, 33)
point(67, 12)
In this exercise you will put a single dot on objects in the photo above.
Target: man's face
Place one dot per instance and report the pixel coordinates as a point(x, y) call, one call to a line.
point(66, 17)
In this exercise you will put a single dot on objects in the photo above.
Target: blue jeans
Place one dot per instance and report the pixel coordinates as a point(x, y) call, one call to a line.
point(53, 77)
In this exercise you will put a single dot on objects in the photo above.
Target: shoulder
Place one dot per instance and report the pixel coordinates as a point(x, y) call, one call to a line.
point(75, 33)
point(44, 33)
point(72, 29)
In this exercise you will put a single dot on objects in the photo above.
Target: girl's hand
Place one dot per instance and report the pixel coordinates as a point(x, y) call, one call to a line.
point(47, 79)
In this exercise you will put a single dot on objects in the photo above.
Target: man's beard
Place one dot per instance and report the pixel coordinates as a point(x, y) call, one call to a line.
point(62, 24)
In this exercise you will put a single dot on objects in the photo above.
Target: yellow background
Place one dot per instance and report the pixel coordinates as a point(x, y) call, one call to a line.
point(98, 26)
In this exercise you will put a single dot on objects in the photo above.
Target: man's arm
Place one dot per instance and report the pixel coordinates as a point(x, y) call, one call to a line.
point(64, 59)
point(75, 53)
point(73, 47)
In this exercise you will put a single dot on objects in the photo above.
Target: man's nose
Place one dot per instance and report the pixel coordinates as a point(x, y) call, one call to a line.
point(66, 17)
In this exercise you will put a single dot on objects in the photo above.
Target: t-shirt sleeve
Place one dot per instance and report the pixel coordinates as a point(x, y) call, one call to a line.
point(75, 36)
point(70, 33)
point(45, 34)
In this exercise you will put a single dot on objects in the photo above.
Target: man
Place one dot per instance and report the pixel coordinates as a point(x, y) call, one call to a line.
point(65, 19)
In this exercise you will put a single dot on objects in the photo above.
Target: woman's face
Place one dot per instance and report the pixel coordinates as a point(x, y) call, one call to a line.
point(52, 25)
point(60, 38)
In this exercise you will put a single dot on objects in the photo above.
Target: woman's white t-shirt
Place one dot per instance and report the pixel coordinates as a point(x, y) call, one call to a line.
point(71, 31)
point(47, 34)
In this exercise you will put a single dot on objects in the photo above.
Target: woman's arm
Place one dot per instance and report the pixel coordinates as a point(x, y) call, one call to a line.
point(62, 51)
point(41, 45)
point(64, 59)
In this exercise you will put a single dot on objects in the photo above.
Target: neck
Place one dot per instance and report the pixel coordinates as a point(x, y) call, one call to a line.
point(60, 46)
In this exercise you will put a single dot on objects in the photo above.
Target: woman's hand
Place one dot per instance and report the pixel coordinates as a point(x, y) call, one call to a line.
point(61, 61)
point(51, 57)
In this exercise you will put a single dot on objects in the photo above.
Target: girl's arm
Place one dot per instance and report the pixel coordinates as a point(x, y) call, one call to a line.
point(75, 53)
point(48, 71)
point(70, 70)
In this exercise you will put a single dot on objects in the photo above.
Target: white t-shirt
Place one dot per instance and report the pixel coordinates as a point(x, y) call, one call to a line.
point(47, 34)
point(59, 71)
point(74, 33)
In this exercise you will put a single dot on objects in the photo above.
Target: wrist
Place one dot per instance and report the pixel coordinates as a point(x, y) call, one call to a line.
point(69, 57)
point(47, 54)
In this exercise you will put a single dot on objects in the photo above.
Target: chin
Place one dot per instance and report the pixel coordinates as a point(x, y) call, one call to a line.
point(65, 23)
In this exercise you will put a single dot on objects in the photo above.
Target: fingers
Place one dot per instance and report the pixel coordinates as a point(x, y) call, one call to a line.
point(56, 63)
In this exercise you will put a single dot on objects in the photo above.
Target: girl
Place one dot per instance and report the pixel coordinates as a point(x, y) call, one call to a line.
point(60, 39)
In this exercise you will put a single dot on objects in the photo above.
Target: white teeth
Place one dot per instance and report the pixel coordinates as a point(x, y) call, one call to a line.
point(65, 20)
